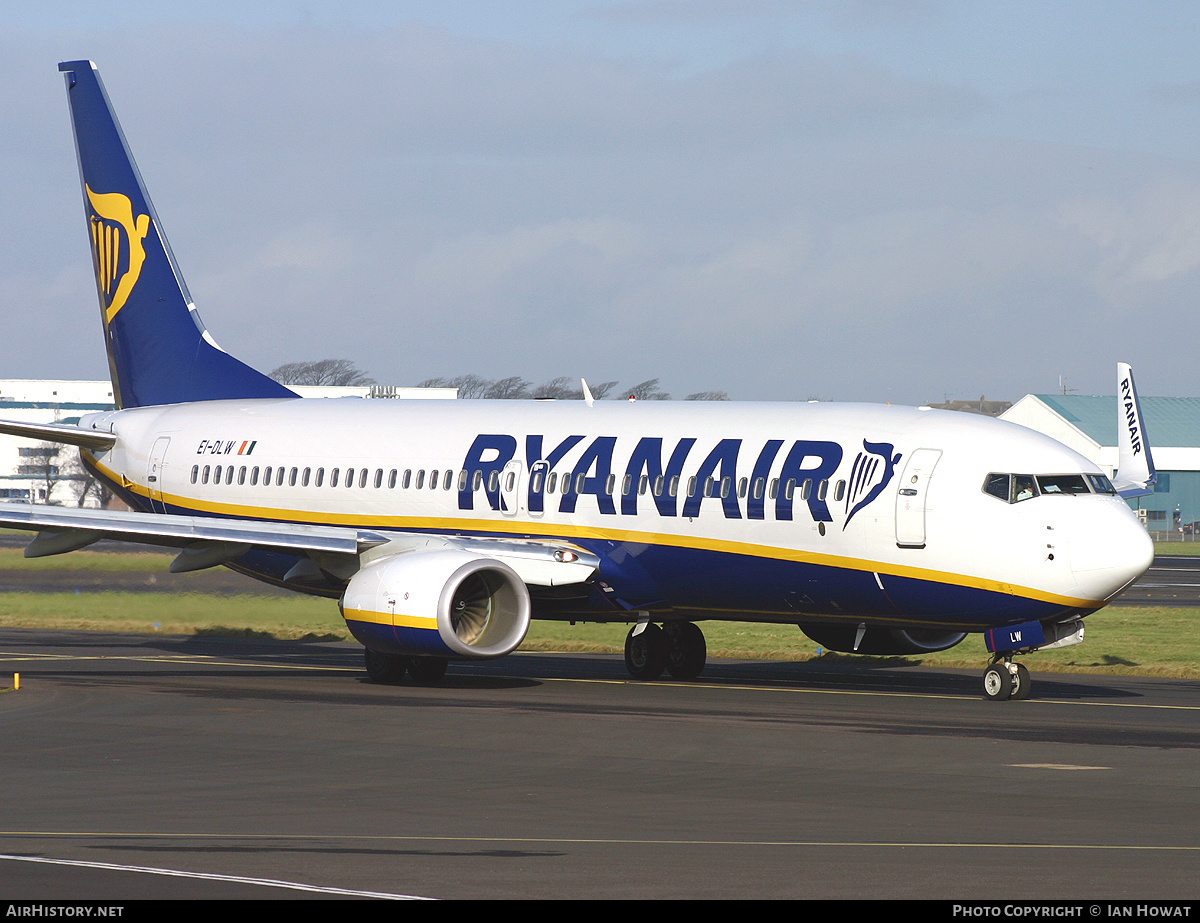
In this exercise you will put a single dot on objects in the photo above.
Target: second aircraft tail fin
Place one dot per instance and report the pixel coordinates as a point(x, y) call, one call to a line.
point(158, 349)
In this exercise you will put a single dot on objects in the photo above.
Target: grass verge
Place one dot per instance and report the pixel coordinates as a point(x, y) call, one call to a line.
point(1158, 641)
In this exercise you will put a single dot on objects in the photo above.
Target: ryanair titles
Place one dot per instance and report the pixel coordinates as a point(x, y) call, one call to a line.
point(674, 479)
point(1132, 414)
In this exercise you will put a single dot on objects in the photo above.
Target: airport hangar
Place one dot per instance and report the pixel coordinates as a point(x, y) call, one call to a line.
point(1088, 424)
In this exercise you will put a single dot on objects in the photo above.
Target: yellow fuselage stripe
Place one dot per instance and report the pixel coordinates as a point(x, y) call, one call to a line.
point(568, 532)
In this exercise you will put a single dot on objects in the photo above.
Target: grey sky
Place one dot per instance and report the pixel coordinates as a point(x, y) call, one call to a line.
point(863, 200)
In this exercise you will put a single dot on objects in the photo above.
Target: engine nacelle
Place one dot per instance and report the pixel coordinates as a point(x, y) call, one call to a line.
point(883, 640)
point(444, 603)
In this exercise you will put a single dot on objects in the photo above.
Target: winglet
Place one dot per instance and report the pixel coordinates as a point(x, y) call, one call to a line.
point(587, 392)
point(1135, 475)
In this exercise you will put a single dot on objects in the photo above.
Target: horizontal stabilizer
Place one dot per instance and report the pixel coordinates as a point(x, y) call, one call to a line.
point(60, 433)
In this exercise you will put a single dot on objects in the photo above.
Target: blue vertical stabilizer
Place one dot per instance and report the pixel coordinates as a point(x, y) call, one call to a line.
point(158, 349)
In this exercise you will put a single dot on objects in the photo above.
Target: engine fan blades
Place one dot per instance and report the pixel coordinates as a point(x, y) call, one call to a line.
point(472, 608)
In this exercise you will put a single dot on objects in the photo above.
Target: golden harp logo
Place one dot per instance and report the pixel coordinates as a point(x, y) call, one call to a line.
point(117, 243)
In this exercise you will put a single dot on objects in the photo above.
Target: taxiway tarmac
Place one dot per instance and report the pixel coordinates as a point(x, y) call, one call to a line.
point(273, 769)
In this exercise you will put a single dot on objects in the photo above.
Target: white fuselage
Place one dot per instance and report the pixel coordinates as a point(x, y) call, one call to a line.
point(701, 505)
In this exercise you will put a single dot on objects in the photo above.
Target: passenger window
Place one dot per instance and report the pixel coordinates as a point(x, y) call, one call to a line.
point(333, 477)
point(320, 476)
point(420, 478)
point(217, 475)
point(207, 469)
point(242, 475)
point(254, 476)
point(839, 491)
point(462, 479)
point(267, 477)
point(362, 478)
point(407, 482)
point(195, 473)
point(378, 478)
point(448, 480)
point(279, 476)
point(551, 482)
point(292, 478)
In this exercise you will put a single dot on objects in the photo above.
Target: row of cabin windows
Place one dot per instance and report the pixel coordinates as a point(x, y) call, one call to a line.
point(306, 477)
point(710, 487)
point(554, 483)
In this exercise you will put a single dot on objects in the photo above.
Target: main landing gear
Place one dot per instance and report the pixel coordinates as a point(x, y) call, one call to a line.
point(1005, 679)
point(390, 668)
point(677, 647)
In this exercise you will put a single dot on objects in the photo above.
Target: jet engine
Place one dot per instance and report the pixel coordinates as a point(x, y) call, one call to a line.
point(883, 640)
point(444, 603)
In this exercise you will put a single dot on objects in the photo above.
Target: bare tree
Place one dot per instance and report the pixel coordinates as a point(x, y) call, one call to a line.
point(83, 483)
point(329, 372)
point(511, 388)
point(602, 390)
point(558, 389)
point(708, 396)
point(469, 386)
point(648, 390)
point(40, 464)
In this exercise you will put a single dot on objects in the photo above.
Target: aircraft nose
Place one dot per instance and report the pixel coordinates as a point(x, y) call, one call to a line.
point(1109, 550)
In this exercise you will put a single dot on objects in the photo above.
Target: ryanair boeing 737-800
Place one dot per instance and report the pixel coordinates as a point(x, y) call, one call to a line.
point(443, 527)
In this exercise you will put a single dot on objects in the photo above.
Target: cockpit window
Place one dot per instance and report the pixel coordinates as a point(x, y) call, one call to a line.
point(997, 486)
point(1062, 484)
point(1013, 488)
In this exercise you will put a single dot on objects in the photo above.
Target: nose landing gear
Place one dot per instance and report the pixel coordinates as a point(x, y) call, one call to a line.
point(1005, 679)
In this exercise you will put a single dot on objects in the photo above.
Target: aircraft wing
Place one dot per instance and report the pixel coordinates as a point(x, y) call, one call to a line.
point(1135, 475)
point(206, 542)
